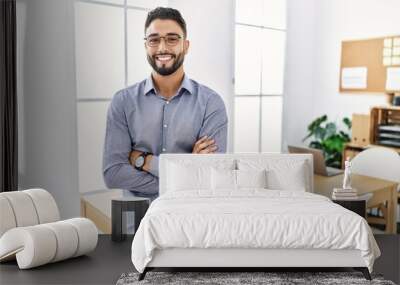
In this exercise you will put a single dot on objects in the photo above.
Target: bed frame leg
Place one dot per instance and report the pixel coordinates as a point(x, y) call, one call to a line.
point(143, 274)
point(364, 271)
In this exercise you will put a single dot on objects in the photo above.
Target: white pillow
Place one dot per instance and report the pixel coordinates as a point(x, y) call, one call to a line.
point(281, 174)
point(292, 177)
point(236, 179)
point(251, 178)
point(189, 174)
point(182, 177)
point(223, 179)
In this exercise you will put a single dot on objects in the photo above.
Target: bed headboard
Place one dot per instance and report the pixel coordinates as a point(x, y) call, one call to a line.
point(213, 159)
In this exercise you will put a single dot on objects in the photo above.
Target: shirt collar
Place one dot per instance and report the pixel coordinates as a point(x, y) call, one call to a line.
point(186, 84)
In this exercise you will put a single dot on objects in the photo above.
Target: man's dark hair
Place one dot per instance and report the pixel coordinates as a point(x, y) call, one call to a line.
point(165, 13)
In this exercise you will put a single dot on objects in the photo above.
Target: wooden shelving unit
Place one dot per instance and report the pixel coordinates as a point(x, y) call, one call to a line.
point(365, 131)
point(384, 116)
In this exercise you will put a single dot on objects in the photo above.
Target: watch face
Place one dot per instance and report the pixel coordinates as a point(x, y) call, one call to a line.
point(139, 161)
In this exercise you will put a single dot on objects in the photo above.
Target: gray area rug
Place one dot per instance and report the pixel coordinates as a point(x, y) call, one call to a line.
point(229, 278)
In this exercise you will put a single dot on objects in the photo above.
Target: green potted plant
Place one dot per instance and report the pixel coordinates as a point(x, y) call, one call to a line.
point(327, 137)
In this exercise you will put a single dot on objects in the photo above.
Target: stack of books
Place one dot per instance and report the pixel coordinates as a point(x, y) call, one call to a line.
point(344, 194)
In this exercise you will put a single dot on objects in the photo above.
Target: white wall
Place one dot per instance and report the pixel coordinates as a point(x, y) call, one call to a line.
point(210, 58)
point(343, 20)
point(316, 30)
point(46, 94)
point(299, 70)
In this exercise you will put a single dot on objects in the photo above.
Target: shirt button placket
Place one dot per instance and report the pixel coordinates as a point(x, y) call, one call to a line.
point(164, 139)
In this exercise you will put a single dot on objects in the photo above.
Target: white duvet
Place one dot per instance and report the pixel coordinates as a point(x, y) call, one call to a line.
point(251, 218)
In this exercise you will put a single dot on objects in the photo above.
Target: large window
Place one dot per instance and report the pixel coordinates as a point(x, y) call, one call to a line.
point(110, 55)
point(260, 33)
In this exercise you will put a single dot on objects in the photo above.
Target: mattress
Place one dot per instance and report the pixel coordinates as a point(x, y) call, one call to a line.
point(250, 219)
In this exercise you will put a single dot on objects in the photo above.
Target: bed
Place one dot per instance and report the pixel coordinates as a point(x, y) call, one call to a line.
point(246, 211)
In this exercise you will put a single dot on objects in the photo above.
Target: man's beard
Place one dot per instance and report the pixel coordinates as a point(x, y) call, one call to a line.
point(165, 71)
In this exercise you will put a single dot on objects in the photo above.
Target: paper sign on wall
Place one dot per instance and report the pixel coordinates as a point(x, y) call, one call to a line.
point(387, 61)
point(393, 79)
point(387, 52)
point(396, 60)
point(354, 78)
point(396, 51)
point(387, 43)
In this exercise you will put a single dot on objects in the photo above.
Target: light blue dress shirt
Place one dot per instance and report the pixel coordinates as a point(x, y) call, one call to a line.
point(139, 118)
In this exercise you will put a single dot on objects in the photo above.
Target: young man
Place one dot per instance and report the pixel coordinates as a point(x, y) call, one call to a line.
point(166, 113)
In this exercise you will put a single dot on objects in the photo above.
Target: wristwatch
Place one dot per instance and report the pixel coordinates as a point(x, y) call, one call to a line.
point(140, 160)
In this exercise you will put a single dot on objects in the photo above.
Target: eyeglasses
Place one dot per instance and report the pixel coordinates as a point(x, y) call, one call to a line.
point(170, 40)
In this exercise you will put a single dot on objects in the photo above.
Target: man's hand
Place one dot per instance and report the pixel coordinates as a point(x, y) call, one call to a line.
point(205, 145)
point(135, 154)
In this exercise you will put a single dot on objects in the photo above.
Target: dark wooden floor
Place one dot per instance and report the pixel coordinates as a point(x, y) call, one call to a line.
point(102, 266)
point(389, 262)
point(110, 260)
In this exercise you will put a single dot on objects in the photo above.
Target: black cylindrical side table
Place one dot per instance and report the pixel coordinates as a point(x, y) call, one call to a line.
point(119, 206)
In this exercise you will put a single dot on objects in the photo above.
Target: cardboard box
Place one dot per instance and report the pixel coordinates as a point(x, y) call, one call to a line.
point(360, 130)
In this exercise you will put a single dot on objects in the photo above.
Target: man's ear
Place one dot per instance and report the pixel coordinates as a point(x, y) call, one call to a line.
point(186, 45)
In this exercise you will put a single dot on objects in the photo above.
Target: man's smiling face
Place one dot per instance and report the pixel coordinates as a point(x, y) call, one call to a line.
point(165, 54)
